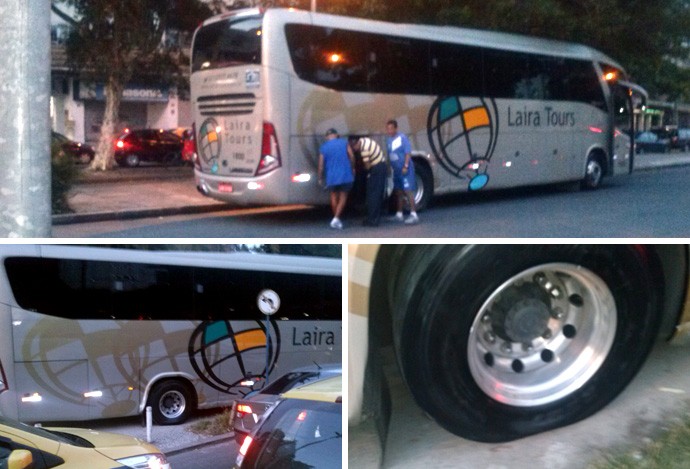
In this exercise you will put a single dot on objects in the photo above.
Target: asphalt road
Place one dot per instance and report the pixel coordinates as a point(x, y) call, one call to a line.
point(218, 456)
point(658, 396)
point(652, 203)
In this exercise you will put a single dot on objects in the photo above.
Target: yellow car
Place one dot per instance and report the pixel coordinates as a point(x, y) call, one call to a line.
point(23, 446)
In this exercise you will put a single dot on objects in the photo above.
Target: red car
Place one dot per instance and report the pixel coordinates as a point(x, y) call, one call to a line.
point(135, 146)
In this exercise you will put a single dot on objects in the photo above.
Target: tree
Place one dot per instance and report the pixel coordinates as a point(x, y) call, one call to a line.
point(111, 41)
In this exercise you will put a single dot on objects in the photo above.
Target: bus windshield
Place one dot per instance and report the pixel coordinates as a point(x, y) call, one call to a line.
point(226, 43)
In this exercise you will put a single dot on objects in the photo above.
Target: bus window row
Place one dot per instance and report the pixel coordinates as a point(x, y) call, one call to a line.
point(80, 289)
point(365, 62)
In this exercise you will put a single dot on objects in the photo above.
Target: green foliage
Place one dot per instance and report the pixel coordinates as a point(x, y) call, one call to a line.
point(63, 174)
point(648, 37)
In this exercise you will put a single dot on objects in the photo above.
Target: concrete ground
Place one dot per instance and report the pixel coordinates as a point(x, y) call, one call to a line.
point(658, 396)
point(156, 191)
point(171, 439)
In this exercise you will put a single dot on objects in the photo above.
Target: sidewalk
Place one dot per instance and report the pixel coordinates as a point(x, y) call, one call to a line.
point(171, 439)
point(125, 193)
point(154, 191)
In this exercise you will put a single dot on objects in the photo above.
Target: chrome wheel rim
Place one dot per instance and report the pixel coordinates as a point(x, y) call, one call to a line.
point(419, 193)
point(593, 172)
point(172, 404)
point(542, 335)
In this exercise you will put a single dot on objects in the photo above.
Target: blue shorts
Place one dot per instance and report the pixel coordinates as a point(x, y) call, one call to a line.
point(404, 182)
point(341, 187)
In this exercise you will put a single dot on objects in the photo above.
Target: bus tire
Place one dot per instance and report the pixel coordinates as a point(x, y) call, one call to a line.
point(493, 340)
point(425, 185)
point(594, 172)
point(171, 402)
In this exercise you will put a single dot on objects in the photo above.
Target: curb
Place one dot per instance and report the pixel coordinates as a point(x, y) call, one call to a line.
point(72, 218)
point(211, 441)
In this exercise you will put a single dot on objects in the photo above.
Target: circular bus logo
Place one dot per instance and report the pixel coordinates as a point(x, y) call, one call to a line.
point(208, 143)
point(228, 356)
point(462, 134)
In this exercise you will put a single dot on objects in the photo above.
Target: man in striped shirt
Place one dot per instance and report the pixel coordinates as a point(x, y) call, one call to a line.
point(374, 162)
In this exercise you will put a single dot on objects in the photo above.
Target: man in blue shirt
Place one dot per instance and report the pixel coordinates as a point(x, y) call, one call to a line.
point(404, 182)
point(337, 161)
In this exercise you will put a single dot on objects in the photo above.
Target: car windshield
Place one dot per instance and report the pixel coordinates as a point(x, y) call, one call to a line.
point(301, 433)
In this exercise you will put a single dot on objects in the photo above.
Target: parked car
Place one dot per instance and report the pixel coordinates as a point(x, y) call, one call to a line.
point(247, 412)
point(75, 448)
point(680, 138)
point(652, 142)
point(303, 429)
point(135, 146)
point(81, 152)
point(188, 147)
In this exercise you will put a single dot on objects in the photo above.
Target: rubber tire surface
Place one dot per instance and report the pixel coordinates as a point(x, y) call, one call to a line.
point(159, 390)
point(435, 295)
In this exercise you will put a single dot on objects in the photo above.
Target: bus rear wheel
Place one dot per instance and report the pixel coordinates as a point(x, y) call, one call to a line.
point(171, 402)
point(501, 342)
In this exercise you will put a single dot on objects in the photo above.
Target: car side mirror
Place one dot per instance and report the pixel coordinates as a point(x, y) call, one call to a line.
point(20, 459)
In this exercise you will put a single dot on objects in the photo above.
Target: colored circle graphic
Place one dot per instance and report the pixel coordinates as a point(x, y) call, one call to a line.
point(228, 355)
point(208, 143)
point(462, 133)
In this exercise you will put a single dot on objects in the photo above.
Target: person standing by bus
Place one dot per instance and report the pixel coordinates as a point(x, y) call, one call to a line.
point(337, 160)
point(404, 182)
point(374, 162)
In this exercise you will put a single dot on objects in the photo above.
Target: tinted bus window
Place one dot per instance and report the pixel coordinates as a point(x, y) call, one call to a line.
point(456, 70)
point(334, 58)
point(76, 289)
point(398, 65)
point(584, 85)
point(227, 43)
point(506, 74)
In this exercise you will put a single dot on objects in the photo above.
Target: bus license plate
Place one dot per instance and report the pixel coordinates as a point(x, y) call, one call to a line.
point(224, 187)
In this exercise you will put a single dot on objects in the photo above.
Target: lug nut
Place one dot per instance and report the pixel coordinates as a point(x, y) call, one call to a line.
point(490, 337)
point(506, 347)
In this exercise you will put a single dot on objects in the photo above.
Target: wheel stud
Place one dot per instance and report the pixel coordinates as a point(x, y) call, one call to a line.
point(490, 337)
point(547, 334)
point(527, 347)
point(557, 313)
point(486, 318)
point(506, 347)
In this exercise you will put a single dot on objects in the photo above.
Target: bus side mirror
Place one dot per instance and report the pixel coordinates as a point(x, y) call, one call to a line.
point(20, 459)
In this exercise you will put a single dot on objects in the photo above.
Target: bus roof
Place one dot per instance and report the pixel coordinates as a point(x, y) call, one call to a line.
point(453, 34)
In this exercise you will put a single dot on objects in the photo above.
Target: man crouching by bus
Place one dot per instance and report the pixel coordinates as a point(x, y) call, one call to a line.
point(404, 182)
point(338, 162)
point(374, 162)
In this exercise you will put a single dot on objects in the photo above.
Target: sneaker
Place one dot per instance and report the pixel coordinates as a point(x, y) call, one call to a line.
point(336, 224)
point(412, 219)
point(396, 217)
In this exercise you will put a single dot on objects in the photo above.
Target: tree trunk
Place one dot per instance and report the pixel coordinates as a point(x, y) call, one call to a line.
point(105, 150)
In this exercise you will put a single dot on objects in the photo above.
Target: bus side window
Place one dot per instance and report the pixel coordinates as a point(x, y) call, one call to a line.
point(400, 65)
point(456, 70)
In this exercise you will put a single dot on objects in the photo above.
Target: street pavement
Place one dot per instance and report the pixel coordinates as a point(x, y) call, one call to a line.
point(171, 439)
point(159, 191)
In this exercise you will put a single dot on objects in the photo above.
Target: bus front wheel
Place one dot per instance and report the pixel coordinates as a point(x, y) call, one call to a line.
point(594, 172)
point(171, 402)
point(501, 342)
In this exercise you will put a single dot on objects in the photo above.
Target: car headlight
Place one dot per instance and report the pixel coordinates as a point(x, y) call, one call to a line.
point(146, 461)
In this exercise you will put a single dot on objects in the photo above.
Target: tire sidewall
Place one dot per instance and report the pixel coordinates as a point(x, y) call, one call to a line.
point(159, 391)
point(434, 336)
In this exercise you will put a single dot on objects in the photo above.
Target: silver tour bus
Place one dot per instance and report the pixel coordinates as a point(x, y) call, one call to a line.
point(483, 110)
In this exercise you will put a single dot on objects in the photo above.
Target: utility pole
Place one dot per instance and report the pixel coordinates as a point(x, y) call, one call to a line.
point(25, 200)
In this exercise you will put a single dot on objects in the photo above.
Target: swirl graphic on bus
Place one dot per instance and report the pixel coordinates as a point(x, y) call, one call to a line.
point(208, 143)
point(462, 133)
point(225, 355)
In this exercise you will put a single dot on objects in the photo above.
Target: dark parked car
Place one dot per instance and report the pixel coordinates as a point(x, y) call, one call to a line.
point(81, 152)
point(652, 142)
point(304, 429)
point(246, 412)
point(680, 138)
point(135, 146)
